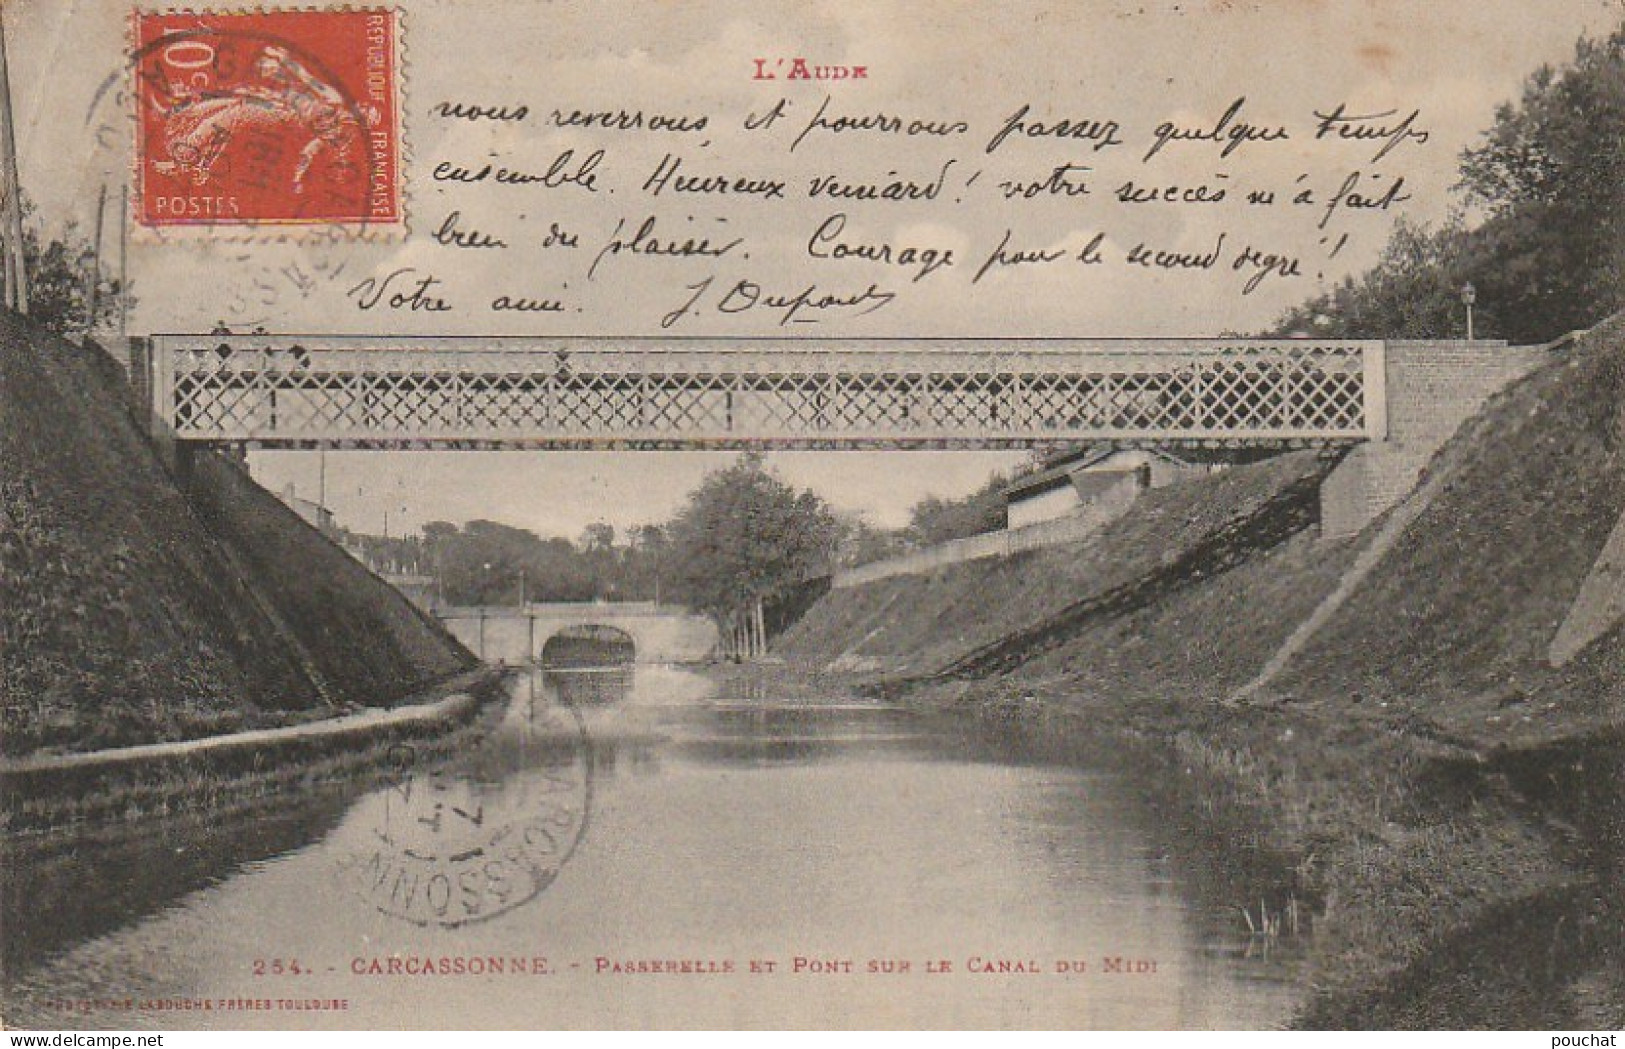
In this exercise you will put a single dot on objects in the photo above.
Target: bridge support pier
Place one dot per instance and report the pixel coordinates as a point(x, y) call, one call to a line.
point(1432, 387)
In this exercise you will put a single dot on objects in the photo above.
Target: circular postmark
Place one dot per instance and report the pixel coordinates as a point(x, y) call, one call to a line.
point(241, 126)
point(466, 839)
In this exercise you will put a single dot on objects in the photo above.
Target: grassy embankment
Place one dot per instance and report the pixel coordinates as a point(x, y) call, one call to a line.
point(1451, 803)
point(135, 611)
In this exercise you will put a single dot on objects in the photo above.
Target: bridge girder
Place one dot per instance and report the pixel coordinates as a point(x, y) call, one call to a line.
point(602, 393)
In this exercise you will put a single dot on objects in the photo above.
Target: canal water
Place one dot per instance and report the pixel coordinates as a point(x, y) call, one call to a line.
point(637, 847)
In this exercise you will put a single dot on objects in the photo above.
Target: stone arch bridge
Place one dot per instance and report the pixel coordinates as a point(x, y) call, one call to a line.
point(659, 633)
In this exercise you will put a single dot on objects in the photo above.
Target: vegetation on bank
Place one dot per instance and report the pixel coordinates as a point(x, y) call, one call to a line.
point(743, 541)
point(485, 562)
point(63, 296)
point(119, 620)
point(1547, 254)
point(921, 624)
point(131, 611)
point(226, 772)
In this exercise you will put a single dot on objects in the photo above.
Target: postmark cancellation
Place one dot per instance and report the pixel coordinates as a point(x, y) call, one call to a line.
point(454, 843)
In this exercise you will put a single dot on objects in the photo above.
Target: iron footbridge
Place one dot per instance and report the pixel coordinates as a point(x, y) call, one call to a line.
point(294, 391)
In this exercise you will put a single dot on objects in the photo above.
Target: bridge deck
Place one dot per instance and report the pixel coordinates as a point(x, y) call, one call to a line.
point(372, 392)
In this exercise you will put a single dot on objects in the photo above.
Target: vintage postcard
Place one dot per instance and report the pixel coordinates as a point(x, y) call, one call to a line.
point(896, 514)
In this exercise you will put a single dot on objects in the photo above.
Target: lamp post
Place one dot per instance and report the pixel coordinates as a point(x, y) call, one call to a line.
point(530, 620)
point(439, 577)
point(1469, 295)
point(485, 575)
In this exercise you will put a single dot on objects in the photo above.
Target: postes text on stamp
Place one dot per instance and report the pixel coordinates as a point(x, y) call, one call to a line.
point(268, 118)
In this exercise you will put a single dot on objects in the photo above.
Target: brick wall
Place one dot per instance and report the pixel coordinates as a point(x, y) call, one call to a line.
point(1432, 388)
point(1344, 506)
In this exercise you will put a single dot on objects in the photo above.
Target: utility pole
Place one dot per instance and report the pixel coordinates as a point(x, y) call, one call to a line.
point(93, 279)
point(124, 267)
point(11, 193)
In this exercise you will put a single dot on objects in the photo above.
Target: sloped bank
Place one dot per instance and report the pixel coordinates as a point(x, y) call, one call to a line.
point(1404, 758)
point(971, 617)
point(219, 773)
point(133, 611)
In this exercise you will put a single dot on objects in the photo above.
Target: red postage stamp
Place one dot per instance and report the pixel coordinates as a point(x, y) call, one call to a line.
point(268, 118)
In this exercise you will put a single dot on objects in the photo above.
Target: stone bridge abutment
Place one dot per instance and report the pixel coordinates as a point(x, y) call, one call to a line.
point(659, 633)
point(1430, 389)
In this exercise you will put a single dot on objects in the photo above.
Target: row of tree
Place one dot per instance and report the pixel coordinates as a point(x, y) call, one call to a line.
point(744, 542)
point(489, 563)
point(1547, 255)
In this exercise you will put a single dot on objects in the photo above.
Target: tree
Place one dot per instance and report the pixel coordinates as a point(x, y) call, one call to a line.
point(861, 542)
point(935, 520)
point(485, 562)
point(1549, 255)
point(59, 271)
point(746, 538)
point(1551, 165)
point(598, 536)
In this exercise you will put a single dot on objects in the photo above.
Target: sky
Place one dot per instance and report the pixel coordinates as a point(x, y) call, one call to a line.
point(1138, 63)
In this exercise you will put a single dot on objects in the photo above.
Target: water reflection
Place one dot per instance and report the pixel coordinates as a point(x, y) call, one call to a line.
point(63, 888)
point(721, 825)
point(587, 686)
point(464, 840)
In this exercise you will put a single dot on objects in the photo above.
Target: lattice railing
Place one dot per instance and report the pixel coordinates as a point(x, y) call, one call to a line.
point(718, 393)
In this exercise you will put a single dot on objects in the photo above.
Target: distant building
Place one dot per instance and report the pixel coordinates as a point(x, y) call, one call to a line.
point(316, 515)
point(406, 577)
point(1099, 477)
